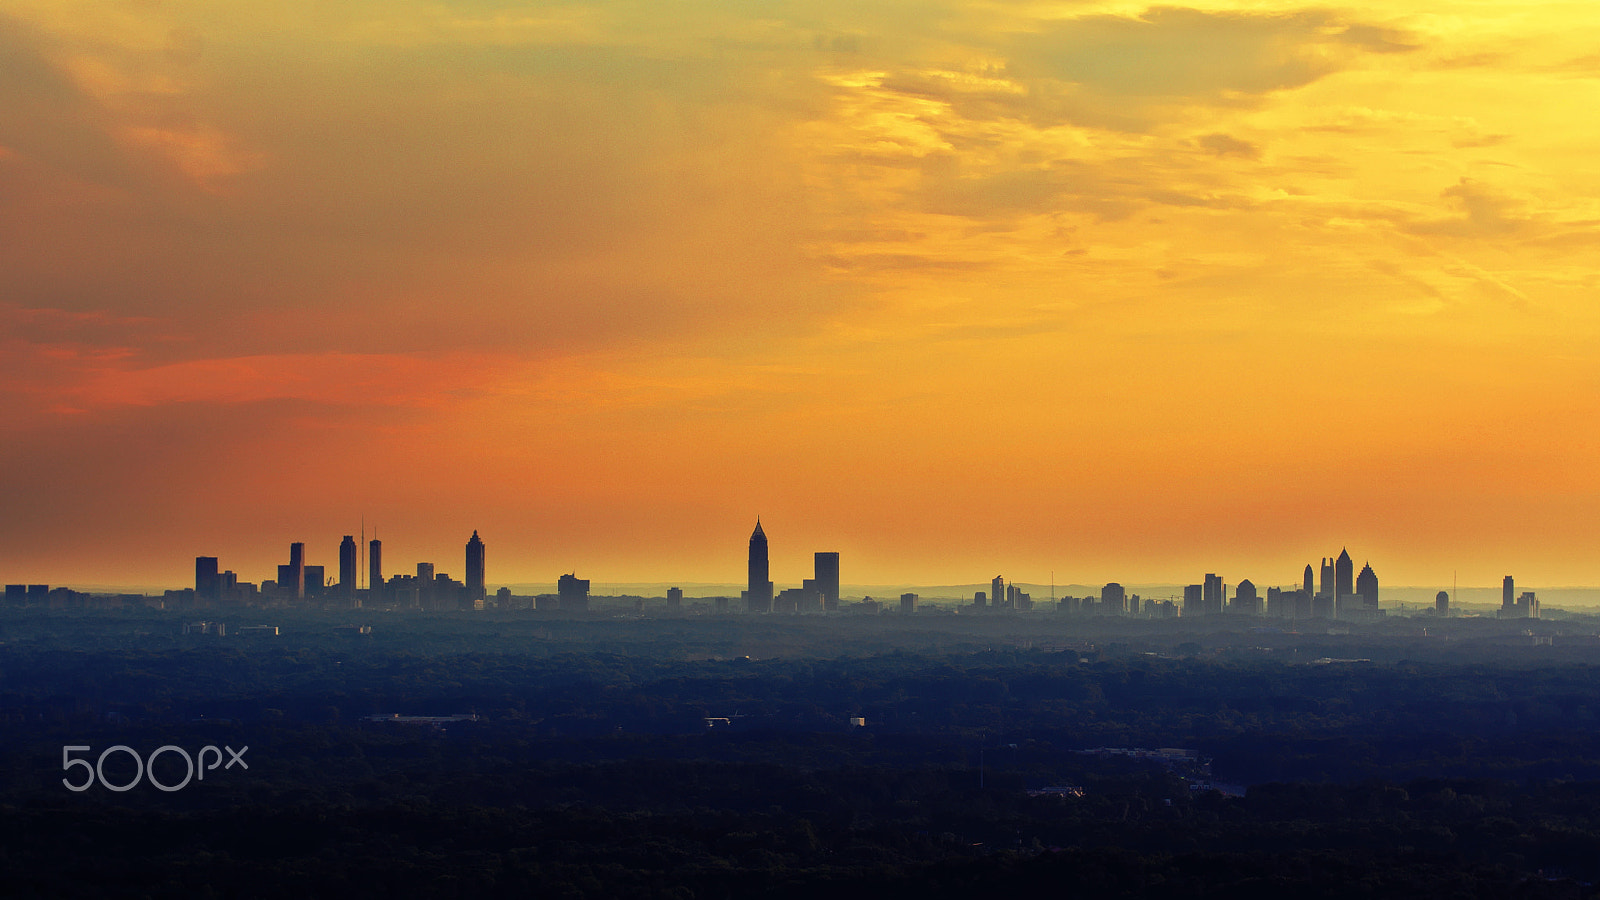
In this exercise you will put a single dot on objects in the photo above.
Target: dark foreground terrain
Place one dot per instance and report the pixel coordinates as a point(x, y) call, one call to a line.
point(705, 757)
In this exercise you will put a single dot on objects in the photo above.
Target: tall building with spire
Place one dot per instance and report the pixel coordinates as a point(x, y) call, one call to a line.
point(477, 589)
point(1344, 576)
point(759, 597)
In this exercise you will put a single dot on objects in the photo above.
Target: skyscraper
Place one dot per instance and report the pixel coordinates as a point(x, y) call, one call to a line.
point(1214, 592)
point(347, 568)
point(573, 593)
point(997, 593)
point(1326, 584)
point(826, 571)
point(1344, 576)
point(1193, 600)
point(375, 585)
point(297, 570)
point(1367, 587)
point(759, 597)
point(1508, 596)
point(206, 582)
point(1307, 588)
point(1441, 604)
point(477, 589)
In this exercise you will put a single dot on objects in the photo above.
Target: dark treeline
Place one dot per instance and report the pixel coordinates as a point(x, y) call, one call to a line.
point(593, 772)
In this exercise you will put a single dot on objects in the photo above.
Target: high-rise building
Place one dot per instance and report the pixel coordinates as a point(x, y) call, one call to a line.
point(347, 568)
point(297, 570)
point(574, 593)
point(1344, 576)
point(1193, 600)
point(425, 585)
point(1308, 581)
point(375, 585)
point(1113, 599)
point(826, 573)
point(997, 592)
point(1245, 599)
point(1367, 587)
point(207, 586)
point(1508, 596)
point(1441, 604)
point(1325, 585)
point(759, 597)
point(1214, 592)
point(908, 603)
point(674, 598)
point(477, 589)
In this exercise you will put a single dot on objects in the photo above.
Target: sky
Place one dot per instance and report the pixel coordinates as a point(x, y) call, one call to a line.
point(1106, 290)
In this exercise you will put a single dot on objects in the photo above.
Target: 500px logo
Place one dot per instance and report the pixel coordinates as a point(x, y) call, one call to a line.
point(146, 767)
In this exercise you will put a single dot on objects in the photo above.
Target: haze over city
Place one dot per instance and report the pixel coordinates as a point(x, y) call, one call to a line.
point(1111, 291)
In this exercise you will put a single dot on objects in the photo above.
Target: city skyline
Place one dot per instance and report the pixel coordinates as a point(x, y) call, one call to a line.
point(1341, 595)
point(952, 289)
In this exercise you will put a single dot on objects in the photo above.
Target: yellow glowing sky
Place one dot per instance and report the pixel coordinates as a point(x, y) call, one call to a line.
point(1114, 291)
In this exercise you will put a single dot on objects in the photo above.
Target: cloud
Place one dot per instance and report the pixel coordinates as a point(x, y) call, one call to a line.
point(1228, 145)
point(1483, 213)
point(1181, 52)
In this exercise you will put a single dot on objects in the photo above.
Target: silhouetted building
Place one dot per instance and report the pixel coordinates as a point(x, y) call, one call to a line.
point(477, 589)
point(1325, 586)
point(758, 598)
point(424, 585)
point(1246, 601)
point(1193, 600)
point(315, 581)
point(908, 603)
point(502, 598)
point(207, 585)
point(1367, 587)
point(1307, 586)
point(674, 598)
point(997, 592)
point(1441, 604)
point(980, 599)
point(1280, 603)
point(826, 572)
point(574, 593)
point(297, 571)
point(798, 600)
point(1113, 600)
point(347, 569)
point(1344, 576)
point(1524, 607)
point(375, 585)
point(16, 594)
point(1215, 591)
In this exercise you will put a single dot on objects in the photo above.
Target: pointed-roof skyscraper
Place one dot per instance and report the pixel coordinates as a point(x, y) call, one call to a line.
point(476, 587)
point(759, 597)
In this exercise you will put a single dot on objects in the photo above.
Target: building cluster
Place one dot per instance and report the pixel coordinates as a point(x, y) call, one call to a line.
point(1335, 591)
point(1002, 595)
point(299, 583)
point(819, 593)
point(1523, 607)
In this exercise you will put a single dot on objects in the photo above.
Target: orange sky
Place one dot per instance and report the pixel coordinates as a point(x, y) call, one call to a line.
point(1116, 291)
